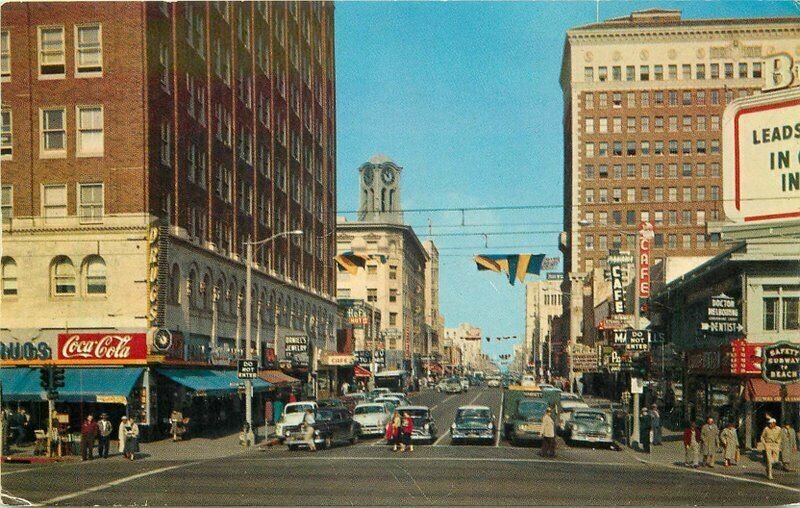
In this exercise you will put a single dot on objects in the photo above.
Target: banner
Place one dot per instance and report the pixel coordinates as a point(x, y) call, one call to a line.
point(516, 266)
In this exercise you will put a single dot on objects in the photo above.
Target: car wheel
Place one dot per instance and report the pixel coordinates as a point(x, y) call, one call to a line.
point(354, 434)
point(327, 443)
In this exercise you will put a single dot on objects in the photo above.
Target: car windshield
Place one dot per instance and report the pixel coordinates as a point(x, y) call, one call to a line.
point(477, 414)
point(531, 409)
point(417, 413)
point(589, 417)
point(364, 410)
point(323, 416)
point(298, 409)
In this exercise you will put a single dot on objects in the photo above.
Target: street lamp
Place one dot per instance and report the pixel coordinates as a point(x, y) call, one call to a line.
point(248, 387)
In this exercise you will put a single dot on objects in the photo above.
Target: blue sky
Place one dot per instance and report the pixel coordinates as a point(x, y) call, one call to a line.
point(465, 97)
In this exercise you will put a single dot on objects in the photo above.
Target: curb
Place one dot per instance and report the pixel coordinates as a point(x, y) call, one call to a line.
point(26, 459)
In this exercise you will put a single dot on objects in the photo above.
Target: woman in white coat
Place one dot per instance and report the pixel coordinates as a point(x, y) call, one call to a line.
point(121, 434)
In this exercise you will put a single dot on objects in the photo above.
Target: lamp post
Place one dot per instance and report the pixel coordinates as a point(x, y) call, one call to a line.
point(248, 386)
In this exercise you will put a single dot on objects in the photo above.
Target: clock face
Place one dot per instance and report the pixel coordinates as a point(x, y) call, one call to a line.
point(368, 176)
point(387, 175)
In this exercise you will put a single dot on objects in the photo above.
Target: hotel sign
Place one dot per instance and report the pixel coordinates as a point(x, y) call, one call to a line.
point(761, 158)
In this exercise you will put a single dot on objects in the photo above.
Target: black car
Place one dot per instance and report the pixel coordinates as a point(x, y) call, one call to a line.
point(331, 426)
point(424, 426)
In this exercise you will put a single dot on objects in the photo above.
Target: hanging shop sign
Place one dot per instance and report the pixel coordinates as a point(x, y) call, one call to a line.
point(761, 156)
point(296, 350)
point(722, 316)
point(780, 363)
point(617, 290)
point(337, 360)
point(152, 275)
point(646, 236)
point(28, 351)
point(102, 347)
point(746, 357)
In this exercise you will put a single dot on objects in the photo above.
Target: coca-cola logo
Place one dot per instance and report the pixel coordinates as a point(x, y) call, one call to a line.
point(102, 346)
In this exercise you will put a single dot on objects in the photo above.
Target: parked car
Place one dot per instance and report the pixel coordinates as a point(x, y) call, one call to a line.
point(424, 427)
point(453, 385)
point(473, 423)
point(565, 411)
point(441, 385)
point(372, 418)
point(331, 426)
point(589, 426)
point(292, 417)
point(392, 402)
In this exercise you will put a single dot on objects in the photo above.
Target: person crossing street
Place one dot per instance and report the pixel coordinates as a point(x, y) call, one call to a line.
point(104, 429)
point(89, 432)
point(709, 438)
point(771, 440)
point(548, 435)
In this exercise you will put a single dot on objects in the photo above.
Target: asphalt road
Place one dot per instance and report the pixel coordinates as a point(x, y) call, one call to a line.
point(370, 474)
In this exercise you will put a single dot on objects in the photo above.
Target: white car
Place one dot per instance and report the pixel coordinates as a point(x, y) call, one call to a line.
point(292, 417)
point(372, 418)
point(464, 384)
point(402, 396)
point(493, 382)
point(393, 402)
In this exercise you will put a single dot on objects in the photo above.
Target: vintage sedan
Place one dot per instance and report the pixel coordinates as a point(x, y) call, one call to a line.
point(473, 423)
point(372, 418)
point(589, 426)
point(331, 426)
point(424, 426)
point(292, 417)
point(565, 410)
point(453, 385)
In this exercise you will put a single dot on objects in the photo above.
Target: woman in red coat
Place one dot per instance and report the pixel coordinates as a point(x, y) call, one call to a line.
point(405, 432)
point(393, 431)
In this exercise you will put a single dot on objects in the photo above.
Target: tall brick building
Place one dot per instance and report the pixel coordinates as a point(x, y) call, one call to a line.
point(142, 144)
point(643, 101)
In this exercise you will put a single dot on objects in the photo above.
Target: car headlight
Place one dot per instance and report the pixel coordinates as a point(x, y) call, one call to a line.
point(523, 427)
point(608, 429)
point(316, 433)
point(426, 427)
point(453, 427)
point(491, 426)
point(288, 433)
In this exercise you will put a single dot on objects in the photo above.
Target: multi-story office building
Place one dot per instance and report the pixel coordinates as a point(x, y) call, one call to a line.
point(393, 281)
point(643, 101)
point(433, 319)
point(543, 302)
point(468, 340)
point(142, 144)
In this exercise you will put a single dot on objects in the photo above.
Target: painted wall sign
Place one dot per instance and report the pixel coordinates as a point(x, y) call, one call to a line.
point(25, 351)
point(102, 347)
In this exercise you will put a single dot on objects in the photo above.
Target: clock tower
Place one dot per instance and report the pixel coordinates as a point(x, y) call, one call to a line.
point(380, 191)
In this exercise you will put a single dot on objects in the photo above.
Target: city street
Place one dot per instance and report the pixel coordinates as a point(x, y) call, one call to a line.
point(370, 474)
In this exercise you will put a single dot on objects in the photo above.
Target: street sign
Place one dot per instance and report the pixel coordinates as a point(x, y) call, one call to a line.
point(247, 369)
point(633, 340)
point(721, 327)
point(780, 363)
point(722, 309)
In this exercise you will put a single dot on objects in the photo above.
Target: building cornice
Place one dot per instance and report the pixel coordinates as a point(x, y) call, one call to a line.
point(616, 33)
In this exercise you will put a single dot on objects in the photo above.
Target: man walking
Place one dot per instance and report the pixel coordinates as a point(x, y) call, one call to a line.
point(548, 435)
point(645, 423)
point(308, 430)
point(104, 428)
point(709, 437)
point(788, 447)
point(691, 442)
point(730, 443)
point(771, 439)
point(655, 421)
point(88, 435)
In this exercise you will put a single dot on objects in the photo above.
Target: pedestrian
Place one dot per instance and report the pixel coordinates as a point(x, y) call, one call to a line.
point(15, 421)
point(788, 447)
point(345, 388)
point(730, 444)
point(709, 439)
point(121, 436)
point(548, 435)
point(655, 421)
point(645, 424)
point(406, 431)
point(691, 443)
point(176, 428)
point(131, 438)
point(88, 435)
point(104, 429)
point(292, 398)
point(308, 430)
point(770, 442)
point(394, 431)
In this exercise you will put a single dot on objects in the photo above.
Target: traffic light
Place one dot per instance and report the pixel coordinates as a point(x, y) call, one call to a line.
point(44, 378)
point(58, 377)
point(640, 366)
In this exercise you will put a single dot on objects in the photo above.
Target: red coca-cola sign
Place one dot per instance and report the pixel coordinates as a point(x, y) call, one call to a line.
point(102, 347)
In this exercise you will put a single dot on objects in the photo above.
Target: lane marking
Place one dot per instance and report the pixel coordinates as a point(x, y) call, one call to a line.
point(17, 471)
point(118, 482)
point(441, 402)
point(449, 459)
point(719, 475)
point(441, 437)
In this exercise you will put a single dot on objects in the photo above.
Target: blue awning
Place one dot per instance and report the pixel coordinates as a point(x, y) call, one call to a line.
point(211, 382)
point(105, 385)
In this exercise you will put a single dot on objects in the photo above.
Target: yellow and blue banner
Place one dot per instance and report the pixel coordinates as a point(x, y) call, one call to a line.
point(351, 262)
point(516, 266)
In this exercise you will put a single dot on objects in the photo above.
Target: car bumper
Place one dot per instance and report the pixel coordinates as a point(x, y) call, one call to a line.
point(581, 438)
point(421, 437)
point(528, 436)
point(372, 430)
point(297, 439)
point(461, 435)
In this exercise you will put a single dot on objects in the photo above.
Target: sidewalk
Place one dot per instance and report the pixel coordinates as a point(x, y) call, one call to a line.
point(751, 466)
point(196, 448)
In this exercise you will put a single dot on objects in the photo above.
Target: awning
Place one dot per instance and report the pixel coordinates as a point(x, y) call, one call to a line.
point(359, 371)
point(277, 377)
point(759, 390)
point(104, 385)
point(211, 382)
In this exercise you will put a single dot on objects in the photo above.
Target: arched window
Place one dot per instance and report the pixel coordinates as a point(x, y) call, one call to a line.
point(95, 275)
point(175, 285)
point(9, 277)
point(191, 290)
point(63, 276)
point(207, 291)
point(383, 200)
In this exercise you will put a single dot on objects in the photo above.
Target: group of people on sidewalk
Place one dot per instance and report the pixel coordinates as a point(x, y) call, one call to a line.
point(101, 431)
point(776, 443)
point(398, 432)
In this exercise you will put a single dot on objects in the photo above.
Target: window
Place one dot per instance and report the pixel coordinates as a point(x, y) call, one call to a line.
point(603, 122)
point(164, 59)
point(166, 142)
point(789, 313)
point(616, 195)
point(602, 100)
point(658, 98)
point(631, 123)
point(590, 195)
point(701, 123)
point(616, 73)
point(630, 195)
point(588, 74)
point(630, 148)
point(686, 241)
point(617, 148)
point(90, 202)
point(372, 295)
point(701, 169)
point(54, 203)
point(392, 295)
point(659, 123)
point(673, 123)
point(645, 170)
point(617, 124)
point(589, 149)
point(95, 276)
point(54, 135)
point(673, 98)
point(686, 147)
point(616, 99)
point(392, 272)
point(672, 217)
point(9, 276)
point(672, 241)
point(686, 217)
point(672, 194)
point(686, 71)
point(700, 71)
point(5, 55)
point(728, 71)
point(602, 218)
point(589, 125)
point(645, 148)
point(771, 313)
point(701, 147)
point(602, 73)
point(714, 193)
point(714, 122)
point(51, 52)
point(757, 69)
point(603, 170)
point(588, 101)
point(658, 195)
point(602, 148)
point(658, 218)
point(589, 171)
point(393, 318)
point(658, 240)
point(7, 203)
point(630, 99)
point(701, 217)
point(616, 217)
point(672, 71)
point(88, 50)
point(658, 72)
point(630, 73)
point(630, 217)
point(645, 194)
point(644, 98)
point(602, 241)
point(658, 148)
point(714, 146)
point(6, 135)
point(645, 122)
point(686, 122)
point(644, 73)
point(63, 278)
point(687, 194)
point(90, 130)
point(630, 170)
point(617, 171)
